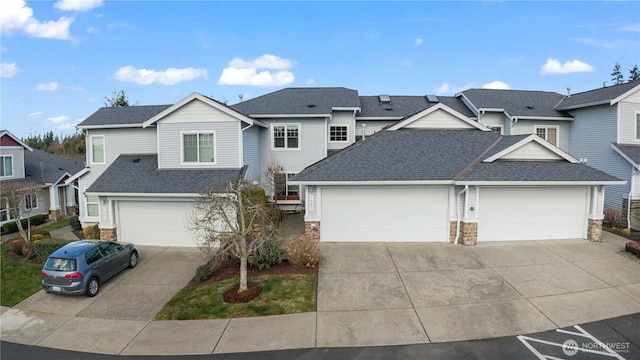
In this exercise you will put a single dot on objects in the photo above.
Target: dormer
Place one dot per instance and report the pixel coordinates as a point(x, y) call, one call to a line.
point(12, 156)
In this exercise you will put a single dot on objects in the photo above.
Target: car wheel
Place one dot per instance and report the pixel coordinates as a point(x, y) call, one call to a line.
point(93, 287)
point(133, 259)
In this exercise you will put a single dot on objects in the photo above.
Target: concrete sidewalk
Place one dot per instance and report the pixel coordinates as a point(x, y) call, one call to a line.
point(384, 294)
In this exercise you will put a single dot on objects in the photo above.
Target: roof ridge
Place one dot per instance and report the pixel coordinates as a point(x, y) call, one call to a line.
point(461, 175)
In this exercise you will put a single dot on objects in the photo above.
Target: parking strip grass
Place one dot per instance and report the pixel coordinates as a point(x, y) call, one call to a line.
point(281, 294)
point(19, 280)
point(55, 225)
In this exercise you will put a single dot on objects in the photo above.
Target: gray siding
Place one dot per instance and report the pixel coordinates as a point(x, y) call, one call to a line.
point(629, 107)
point(342, 118)
point(494, 119)
point(251, 152)
point(592, 132)
point(17, 155)
point(528, 127)
point(372, 126)
point(197, 116)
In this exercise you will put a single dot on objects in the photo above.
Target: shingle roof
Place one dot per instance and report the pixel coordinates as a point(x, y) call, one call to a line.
point(42, 167)
point(300, 101)
point(518, 102)
point(404, 106)
point(596, 96)
point(632, 151)
point(429, 155)
point(123, 115)
point(140, 174)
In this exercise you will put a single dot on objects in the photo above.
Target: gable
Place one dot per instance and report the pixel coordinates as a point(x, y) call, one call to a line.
point(196, 111)
point(438, 119)
point(7, 140)
point(532, 151)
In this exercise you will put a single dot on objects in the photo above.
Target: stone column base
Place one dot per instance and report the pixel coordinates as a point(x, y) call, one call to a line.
point(108, 234)
point(55, 215)
point(594, 230)
point(453, 226)
point(72, 210)
point(469, 233)
point(312, 230)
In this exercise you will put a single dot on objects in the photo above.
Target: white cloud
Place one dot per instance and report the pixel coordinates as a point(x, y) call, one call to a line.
point(66, 126)
point(91, 30)
point(47, 86)
point(635, 27)
point(242, 72)
point(497, 85)
point(15, 15)
point(309, 81)
point(170, 76)
point(553, 66)
point(8, 70)
point(58, 119)
point(77, 5)
point(406, 63)
point(74, 88)
point(447, 88)
point(418, 42)
point(34, 114)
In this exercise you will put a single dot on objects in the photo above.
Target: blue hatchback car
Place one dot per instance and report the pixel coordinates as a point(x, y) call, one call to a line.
point(82, 266)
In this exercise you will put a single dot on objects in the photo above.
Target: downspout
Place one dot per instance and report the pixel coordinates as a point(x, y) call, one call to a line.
point(629, 198)
point(458, 207)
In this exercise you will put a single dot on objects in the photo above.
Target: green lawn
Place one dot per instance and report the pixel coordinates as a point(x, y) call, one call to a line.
point(19, 280)
point(281, 294)
point(55, 225)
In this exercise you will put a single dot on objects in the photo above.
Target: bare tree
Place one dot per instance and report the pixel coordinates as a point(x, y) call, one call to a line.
point(273, 180)
point(21, 198)
point(234, 220)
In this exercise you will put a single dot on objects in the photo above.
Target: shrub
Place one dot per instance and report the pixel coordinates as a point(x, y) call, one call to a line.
point(203, 272)
point(304, 251)
point(46, 247)
point(27, 250)
point(612, 217)
point(91, 232)
point(15, 244)
point(75, 223)
point(44, 234)
point(270, 253)
point(12, 227)
point(37, 237)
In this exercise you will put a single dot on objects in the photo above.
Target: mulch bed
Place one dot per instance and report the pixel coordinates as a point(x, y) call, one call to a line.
point(234, 297)
point(232, 270)
point(19, 258)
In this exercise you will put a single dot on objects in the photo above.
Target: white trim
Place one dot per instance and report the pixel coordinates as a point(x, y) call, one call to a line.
point(195, 96)
point(117, 196)
point(501, 110)
point(279, 116)
point(542, 183)
point(439, 106)
point(339, 141)
point(542, 118)
point(16, 139)
point(633, 163)
point(13, 168)
point(86, 206)
point(198, 162)
point(496, 126)
point(346, 108)
point(104, 152)
point(635, 120)
point(621, 97)
point(77, 175)
point(528, 139)
point(37, 200)
point(557, 127)
point(285, 148)
point(376, 182)
point(382, 118)
point(115, 126)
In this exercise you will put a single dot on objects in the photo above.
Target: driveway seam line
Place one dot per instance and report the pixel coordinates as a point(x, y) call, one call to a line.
point(135, 337)
point(221, 335)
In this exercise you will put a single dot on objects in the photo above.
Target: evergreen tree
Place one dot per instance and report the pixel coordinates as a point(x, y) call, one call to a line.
point(616, 75)
point(634, 74)
point(118, 98)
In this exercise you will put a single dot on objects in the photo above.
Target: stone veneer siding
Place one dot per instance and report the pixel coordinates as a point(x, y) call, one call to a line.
point(108, 234)
point(469, 233)
point(453, 225)
point(309, 232)
point(72, 210)
point(594, 230)
point(55, 215)
point(635, 209)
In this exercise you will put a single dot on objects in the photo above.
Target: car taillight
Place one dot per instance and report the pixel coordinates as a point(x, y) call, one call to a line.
point(43, 273)
point(74, 275)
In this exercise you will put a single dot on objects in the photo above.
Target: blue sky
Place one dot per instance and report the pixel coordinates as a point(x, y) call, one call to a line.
point(59, 59)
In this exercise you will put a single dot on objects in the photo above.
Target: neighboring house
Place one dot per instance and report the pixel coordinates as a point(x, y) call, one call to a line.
point(146, 164)
point(600, 127)
point(22, 164)
point(440, 176)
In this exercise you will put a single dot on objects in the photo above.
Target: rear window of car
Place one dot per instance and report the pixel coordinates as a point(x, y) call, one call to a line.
point(60, 264)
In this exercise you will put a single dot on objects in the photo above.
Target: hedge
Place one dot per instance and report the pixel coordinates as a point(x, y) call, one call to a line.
point(44, 248)
point(12, 227)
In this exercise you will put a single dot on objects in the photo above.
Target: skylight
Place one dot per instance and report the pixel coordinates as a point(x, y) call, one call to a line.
point(385, 99)
point(432, 98)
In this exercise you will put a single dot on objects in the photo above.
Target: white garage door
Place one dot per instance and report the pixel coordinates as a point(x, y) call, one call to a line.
point(384, 213)
point(155, 223)
point(532, 213)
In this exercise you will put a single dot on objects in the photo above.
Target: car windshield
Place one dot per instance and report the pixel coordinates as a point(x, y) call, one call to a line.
point(60, 264)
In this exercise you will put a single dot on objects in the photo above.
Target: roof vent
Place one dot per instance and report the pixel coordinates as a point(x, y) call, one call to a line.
point(311, 105)
point(529, 107)
point(388, 108)
point(432, 98)
point(136, 160)
point(385, 99)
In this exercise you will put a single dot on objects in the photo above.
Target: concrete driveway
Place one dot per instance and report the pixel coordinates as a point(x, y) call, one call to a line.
point(134, 294)
point(403, 293)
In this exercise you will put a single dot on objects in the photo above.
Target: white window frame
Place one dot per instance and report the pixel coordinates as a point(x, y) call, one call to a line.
point(2, 157)
point(87, 203)
point(546, 127)
point(492, 127)
point(5, 208)
point(637, 121)
point(198, 133)
point(339, 125)
point(104, 148)
point(27, 203)
point(286, 142)
point(286, 199)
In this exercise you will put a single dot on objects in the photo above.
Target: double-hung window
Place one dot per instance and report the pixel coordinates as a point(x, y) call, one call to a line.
point(198, 148)
point(496, 128)
point(6, 167)
point(5, 212)
point(30, 201)
point(93, 206)
point(338, 133)
point(548, 133)
point(284, 190)
point(637, 126)
point(286, 136)
point(97, 149)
